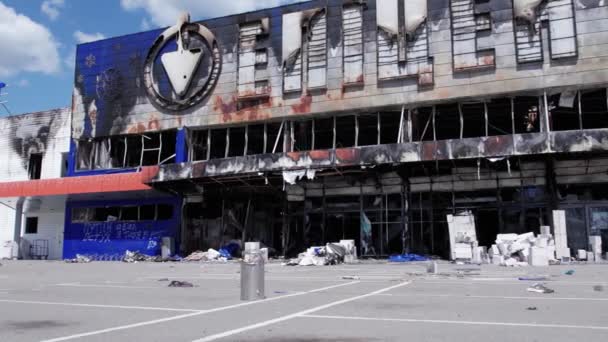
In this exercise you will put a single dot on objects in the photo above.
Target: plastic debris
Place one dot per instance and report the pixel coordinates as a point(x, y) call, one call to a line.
point(407, 258)
point(539, 288)
point(569, 272)
point(79, 259)
point(178, 283)
point(330, 254)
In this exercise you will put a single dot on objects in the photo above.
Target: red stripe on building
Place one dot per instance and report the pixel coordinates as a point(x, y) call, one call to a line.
point(80, 185)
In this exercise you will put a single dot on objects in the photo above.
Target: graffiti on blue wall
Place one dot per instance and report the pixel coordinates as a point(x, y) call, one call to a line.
point(110, 240)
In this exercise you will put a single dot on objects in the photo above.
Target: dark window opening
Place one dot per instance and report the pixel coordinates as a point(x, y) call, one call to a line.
point(527, 114)
point(473, 120)
point(34, 167)
point(563, 118)
point(218, 143)
point(198, 145)
point(499, 117)
point(389, 127)
point(117, 152)
point(147, 212)
point(83, 214)
point(31, 225)
point(274, 131)
point(302, 135)
point(447, 122)
point(345, 131)
point(593, 108)
point(324, 134)
point(167, 153)
point(84, 153)
point(368, 129)
point(422, 124)
point(164, 212)
point(151, 147)
point(236, 146)
point(133, 151)
point(105, 214)
point(255, 140)
point(129, 214)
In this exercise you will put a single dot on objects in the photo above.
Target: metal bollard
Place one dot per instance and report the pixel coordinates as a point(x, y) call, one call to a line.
point(252, 273)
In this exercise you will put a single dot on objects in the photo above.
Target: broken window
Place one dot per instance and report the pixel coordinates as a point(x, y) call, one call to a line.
point(499, 117)
point(218, 143)
point(302, 135)
point(389, 127)
point(594, 109)
point(117, 152)
point(106, 214)
point(84, 154)
point(198, 143)
point(472, 43)
point(147, 212)
point(564, 115)
point(256, 139)
point(151, 146)
point(527, 114)
point(164, 212)
point(34, 166)
point(352, 37)
point(345, 131)
point(473, 120)
point(368, 129)
point(130, 213)
point(253, 77)
point(558, 16)
point(402, 36)
point(274, 134)
point(83, 214)
point(324, 133)
point(422, 124)
point(134, 151)
point(447, 122)
point(236, 141)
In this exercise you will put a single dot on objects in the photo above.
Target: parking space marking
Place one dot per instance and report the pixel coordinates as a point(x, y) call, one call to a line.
point(197, 313)
point(297, 314)
point(436, 321)
point(493, 297)
point(97, 305)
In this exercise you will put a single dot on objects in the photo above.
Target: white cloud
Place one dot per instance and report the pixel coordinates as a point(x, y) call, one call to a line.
point(51, 8)
point(165, 13)
point(145, 25)
point(26, 45)
point(82, 37)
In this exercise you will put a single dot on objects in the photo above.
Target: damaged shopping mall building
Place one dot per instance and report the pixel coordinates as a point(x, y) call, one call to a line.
point(328, 120)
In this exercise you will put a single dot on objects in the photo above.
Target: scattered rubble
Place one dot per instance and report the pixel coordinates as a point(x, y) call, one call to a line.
point(135, 256)
point(330, 254)
point(178, 283)
point(523, 249)
point(79, 259)
point(540, 288)
point(210, 255)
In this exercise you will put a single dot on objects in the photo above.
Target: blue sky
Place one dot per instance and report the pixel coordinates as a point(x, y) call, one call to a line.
point(38, 39)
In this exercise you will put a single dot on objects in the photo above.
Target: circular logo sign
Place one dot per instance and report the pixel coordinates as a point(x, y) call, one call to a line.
point(182, 66)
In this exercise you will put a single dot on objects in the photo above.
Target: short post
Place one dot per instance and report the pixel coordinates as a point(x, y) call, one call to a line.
point(252, 272)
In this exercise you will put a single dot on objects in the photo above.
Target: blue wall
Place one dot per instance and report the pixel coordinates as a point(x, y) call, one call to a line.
point(110, 240)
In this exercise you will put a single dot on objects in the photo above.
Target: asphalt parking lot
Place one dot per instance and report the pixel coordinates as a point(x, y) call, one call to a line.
point(112, 301)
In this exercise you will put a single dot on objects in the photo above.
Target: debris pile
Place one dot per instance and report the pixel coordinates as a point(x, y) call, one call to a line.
point(135, 256)
point(79, 259)
point(330, 254)
point(210, 255)
point(523, 249)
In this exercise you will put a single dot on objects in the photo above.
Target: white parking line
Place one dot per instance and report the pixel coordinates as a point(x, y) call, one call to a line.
point(295, 315)
point(97, 305)
point(437, 321)
point(494, 297)
point(197, 313)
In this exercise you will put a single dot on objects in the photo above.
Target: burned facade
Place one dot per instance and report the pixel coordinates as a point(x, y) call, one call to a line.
point(328, 120)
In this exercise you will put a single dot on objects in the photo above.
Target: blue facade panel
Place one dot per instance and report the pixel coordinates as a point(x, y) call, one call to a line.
point(109, 240)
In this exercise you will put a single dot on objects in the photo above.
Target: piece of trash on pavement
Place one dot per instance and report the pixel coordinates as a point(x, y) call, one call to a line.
point(598, 288)
point(280, 292)
point(539, 288)
point(569, 272)
point(531, 308)
point(533, 278)
point(163, 279)
point(177, 283)
point(79, 259)
point(351, 278)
